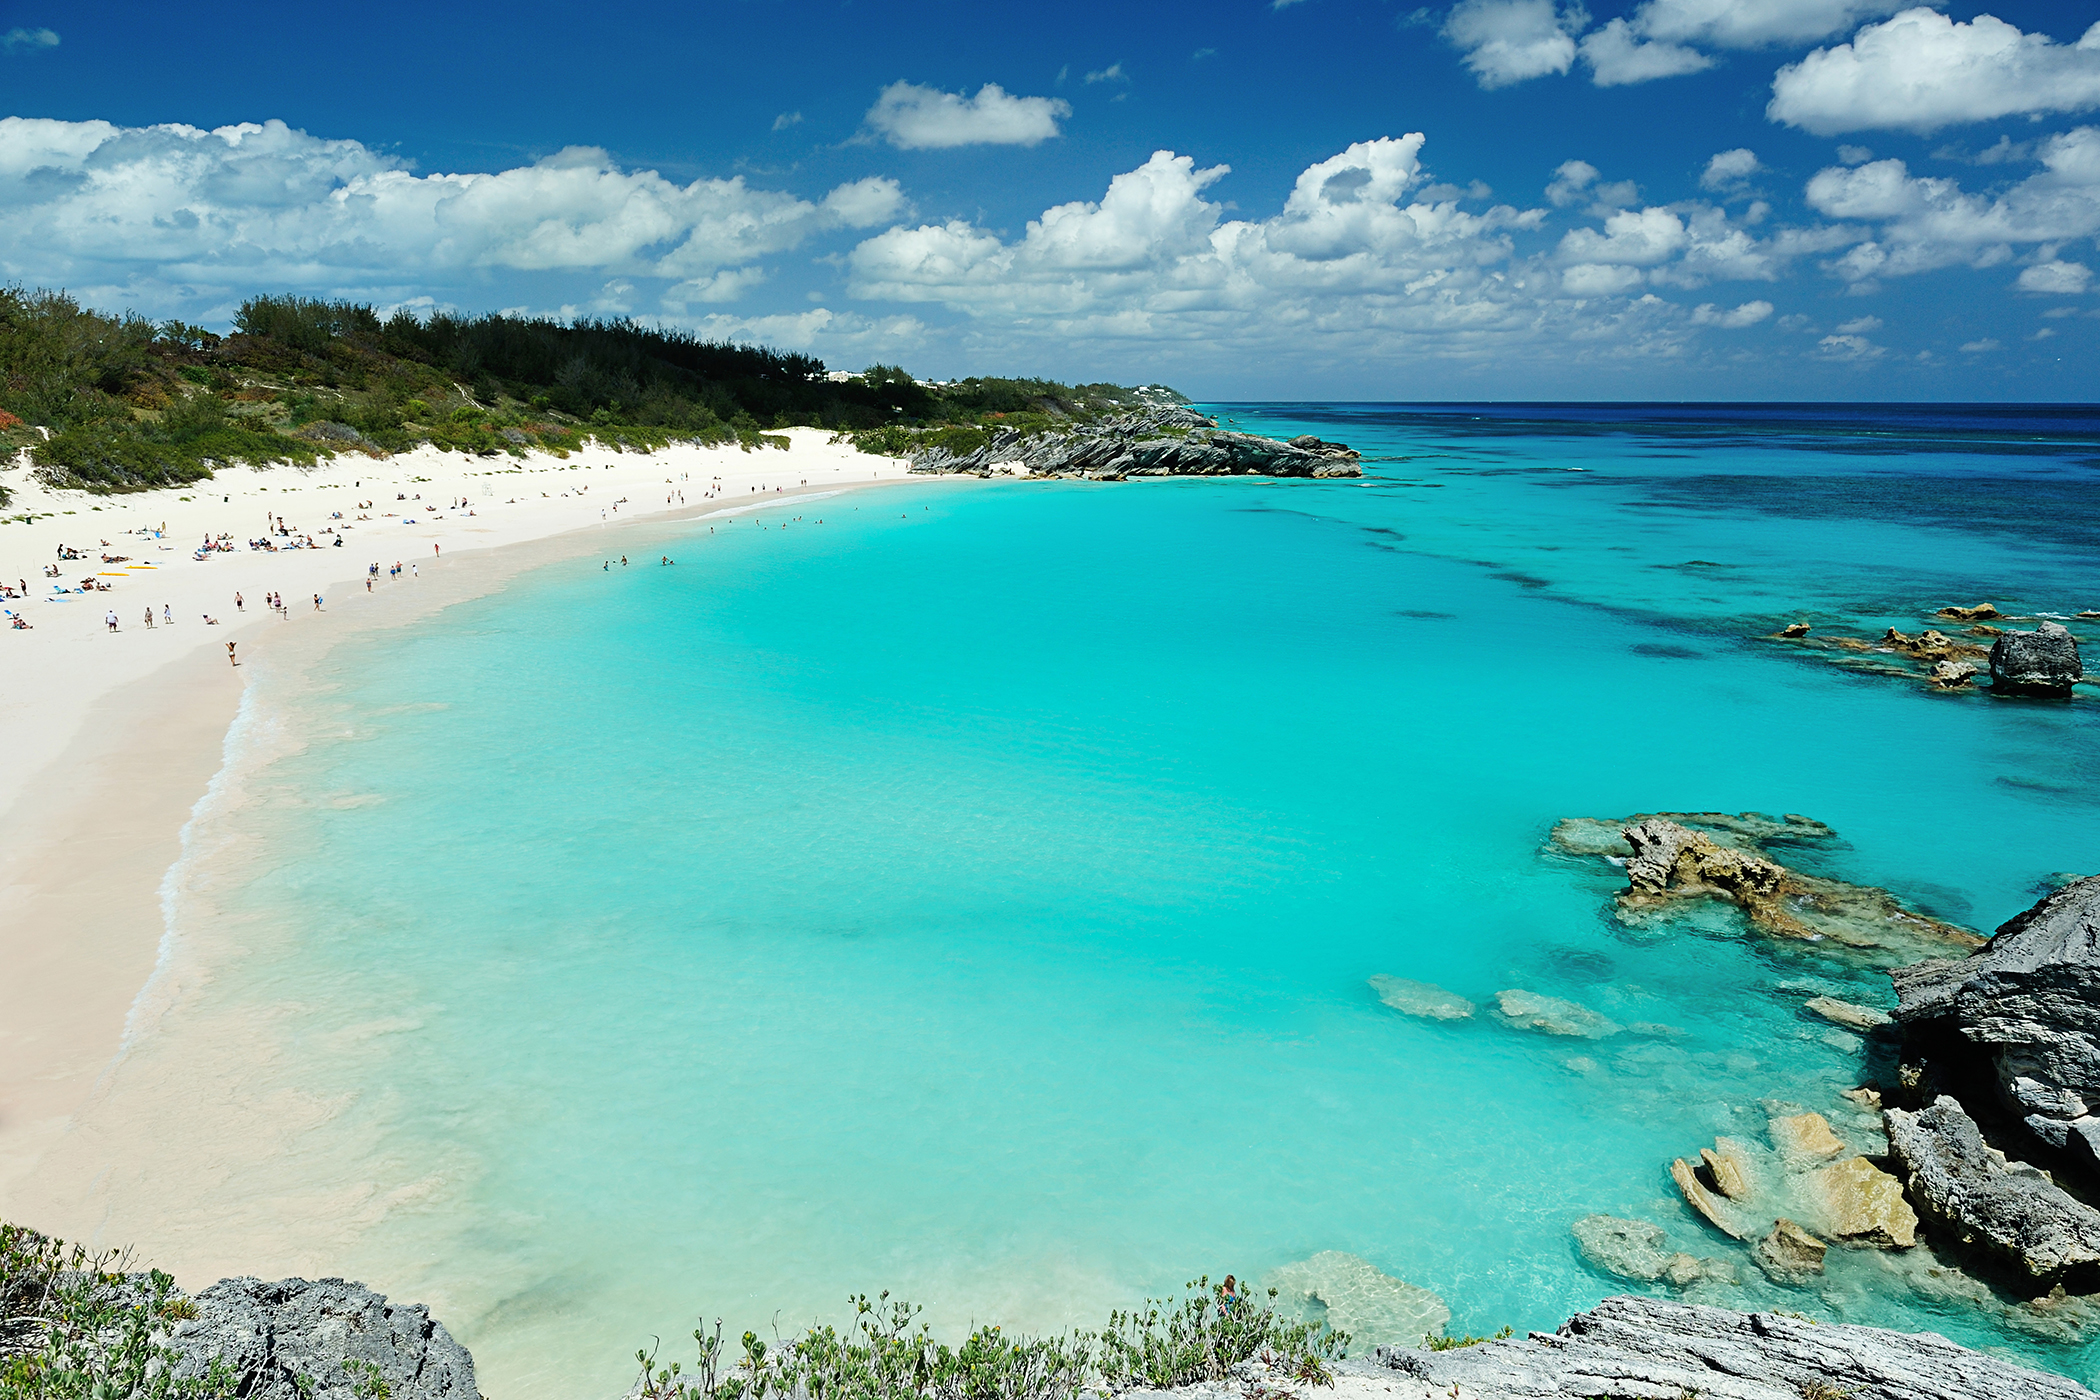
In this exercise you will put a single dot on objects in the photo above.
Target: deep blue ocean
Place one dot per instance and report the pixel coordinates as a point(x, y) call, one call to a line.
point(974, 894)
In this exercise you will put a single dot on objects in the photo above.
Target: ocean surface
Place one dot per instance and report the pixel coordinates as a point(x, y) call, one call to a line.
point(970, 890)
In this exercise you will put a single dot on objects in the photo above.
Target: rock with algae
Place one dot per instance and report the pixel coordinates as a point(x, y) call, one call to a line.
point(1424, 999)
point(1354, 1297)
point(1675, 859)
point(1633, 1249)
point(1532, 1011)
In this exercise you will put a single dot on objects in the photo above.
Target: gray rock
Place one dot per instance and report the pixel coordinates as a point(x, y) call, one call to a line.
point(2042, 662)
point(1151, 442)
point(1951, 674)
point(1847, 1014)
point(2022, 1012)
point(274, 1335)
point(1630, 1249)
point(1553, 1015)
point(1647, 1348)
point(2008, 1210)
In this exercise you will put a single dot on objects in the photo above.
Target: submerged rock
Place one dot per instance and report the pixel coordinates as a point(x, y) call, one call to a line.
point(2020, 1019)
point(2041, 662)
point(1633, 1249)
point(1847, 1014)
point(1356, 1298)
point(1425, 999)
point(1660, 1350)
point(1804, 1137)
point(1789, 1254)
point(1554, 1016)
point(331, 1340)
point(2004, 1209)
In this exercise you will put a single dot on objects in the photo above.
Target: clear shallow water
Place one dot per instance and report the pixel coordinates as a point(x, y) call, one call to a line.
point(973, 895)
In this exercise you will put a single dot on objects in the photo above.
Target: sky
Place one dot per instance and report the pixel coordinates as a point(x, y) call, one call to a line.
point(1245, 199)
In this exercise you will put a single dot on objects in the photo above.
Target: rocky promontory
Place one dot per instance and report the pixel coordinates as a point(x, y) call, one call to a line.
point(1171, 441)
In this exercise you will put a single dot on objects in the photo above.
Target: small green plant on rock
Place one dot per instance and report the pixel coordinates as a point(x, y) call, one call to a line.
point(1434, 1343)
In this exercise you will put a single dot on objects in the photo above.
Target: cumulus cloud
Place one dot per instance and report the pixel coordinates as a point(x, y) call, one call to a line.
point(1577, 180)
point(1979, 347)
point(2055, 276)
point(94, 204)
point(1924, 223)
point(28, 40)
point(1617, 56)
point(1508, 41)
point(911, 117)
point(1922, 70)
point(1748, 314)
point(1729, 168)
point(1849, 348)
point(1752, 24)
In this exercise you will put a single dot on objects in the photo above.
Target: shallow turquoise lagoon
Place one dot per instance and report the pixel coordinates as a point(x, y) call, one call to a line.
point(973, 894)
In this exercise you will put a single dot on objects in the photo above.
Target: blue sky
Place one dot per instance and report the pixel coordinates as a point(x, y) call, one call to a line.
point(1323, 199)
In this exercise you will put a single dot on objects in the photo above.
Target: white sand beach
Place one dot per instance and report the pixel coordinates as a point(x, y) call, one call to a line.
point(114, 736)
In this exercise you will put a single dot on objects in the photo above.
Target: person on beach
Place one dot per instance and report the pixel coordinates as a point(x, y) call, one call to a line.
point(167, 613)
point(112, 619)
point(240, 604)
point(230, 656)
point(434, 550)
point(1229, 1299)
point(149, 615)
point(317, 602)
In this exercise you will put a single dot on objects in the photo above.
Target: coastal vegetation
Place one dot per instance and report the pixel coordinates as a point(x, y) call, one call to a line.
point(887, 1351)
point(115, 402)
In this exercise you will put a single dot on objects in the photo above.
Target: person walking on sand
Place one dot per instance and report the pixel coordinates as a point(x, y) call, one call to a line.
point(149, 615)
point(317, 602)
point(240, 604)
point(112, 619)
point(230, 656)
point(167, 614)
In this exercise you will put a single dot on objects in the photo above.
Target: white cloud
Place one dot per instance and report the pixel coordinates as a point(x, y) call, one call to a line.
point(1748, 314)
point(1112, 74)
point(1631, 238)
point(1617, 57)
point(1926, 223)
point(1576, 180)
point(912, 118)
point(2055, 276)
point(1922, 70)
point(1978, 347)
point(28, 40)
point(1729, 168)
point(1855, 155)
point(1752, 24)
point(1860, 325)
point(1508, 41)
point(262, 205)
point(786, 120)
point(1848, 348)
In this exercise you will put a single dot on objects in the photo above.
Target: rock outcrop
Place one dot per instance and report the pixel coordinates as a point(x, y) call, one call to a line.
point(1151, 442)
point(2042, 662)
point(1669, 861)
point(1650, 1348)
point(1634, 1249)
point(2020, 1020)
point(330, 1340)
point(2005, 1209)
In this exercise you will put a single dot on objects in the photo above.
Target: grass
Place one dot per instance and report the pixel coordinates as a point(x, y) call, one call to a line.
point(1431, 1342)
point(75, 1326)
point(887, 1353)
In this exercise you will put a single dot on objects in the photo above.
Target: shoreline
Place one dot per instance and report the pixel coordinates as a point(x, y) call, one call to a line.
point(118, 759)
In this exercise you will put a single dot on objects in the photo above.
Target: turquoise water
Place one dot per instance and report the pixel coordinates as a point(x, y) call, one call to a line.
point(972, 895)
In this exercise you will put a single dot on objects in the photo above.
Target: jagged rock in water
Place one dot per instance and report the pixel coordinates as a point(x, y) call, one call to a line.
point(1554, 1016)
point(2005, 1209)
point(1848, 1014)
point(2042, 662)
point(1645, 1347)
point(1424, 999)
point(1708, 1201)
point(1728, 1167)
point(2023, 1017)
point(277, 1338)
point(1670, 861)
point(1859, 1203)
point(1978, 613)
point(1951, 674)
point(1789, 1254)
point(1356, 1298)
point(1804, 1137)
point(1151, 442)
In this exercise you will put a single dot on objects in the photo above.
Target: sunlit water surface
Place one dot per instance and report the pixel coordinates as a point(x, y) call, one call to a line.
point(972, 895)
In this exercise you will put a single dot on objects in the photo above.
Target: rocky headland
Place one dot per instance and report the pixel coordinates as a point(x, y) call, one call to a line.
point(1166, 441)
